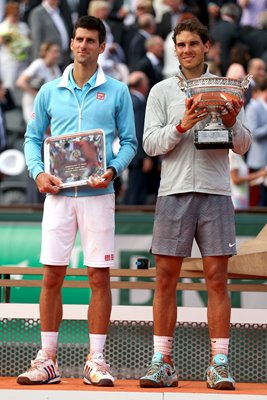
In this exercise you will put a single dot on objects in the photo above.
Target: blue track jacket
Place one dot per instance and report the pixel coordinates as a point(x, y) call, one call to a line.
point(106, 105)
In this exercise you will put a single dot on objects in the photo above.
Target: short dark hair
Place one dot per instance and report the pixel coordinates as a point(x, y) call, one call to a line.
point(92, 24)
point(192, 25)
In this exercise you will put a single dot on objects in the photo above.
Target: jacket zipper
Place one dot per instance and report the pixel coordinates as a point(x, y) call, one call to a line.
point(80, 107)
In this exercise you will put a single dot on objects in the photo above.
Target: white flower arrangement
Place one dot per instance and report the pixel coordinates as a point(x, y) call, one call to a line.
point(17, 43)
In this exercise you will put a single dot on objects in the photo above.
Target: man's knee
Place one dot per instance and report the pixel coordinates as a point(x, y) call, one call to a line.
point(99, 278)
point(217, 281)
point(168, 270)
point(53, 277)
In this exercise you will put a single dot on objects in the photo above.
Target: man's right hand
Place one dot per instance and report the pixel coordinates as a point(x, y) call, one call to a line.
point(47, 183)
point(192, 115)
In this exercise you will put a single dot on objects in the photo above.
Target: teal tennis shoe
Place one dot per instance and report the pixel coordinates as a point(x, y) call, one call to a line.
point(159, 374)
point(218, 374)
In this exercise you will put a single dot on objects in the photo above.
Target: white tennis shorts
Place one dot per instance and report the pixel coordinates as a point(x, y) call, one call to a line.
point(92, 215)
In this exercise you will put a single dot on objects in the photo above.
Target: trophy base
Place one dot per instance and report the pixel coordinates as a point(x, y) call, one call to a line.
point(213, 139)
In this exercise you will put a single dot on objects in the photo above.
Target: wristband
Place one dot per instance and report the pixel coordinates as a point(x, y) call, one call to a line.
point(179, 128)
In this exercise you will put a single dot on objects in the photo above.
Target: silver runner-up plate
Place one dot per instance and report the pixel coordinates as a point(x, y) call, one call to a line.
point(74, 157)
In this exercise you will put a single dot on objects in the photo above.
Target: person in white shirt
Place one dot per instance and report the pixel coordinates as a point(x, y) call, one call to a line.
point(241, 179)
point(40, 71)
point(14, 46)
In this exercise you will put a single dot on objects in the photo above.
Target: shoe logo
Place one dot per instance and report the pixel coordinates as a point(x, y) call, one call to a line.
point(222, 359)
point(231, 244)
point(168, 372)
point(49, 369)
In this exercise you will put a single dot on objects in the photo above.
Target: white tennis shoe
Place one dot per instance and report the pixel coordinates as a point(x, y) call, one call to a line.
point(42, 371)
point(96, 371)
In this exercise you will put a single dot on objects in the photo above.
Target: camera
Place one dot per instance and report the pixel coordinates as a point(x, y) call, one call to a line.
point(142, 263)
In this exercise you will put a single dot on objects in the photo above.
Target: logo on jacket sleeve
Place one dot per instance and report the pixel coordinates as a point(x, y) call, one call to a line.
point(100, 96)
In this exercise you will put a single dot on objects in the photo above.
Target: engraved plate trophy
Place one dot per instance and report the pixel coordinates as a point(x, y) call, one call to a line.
point(75, 157)
point(213, 93)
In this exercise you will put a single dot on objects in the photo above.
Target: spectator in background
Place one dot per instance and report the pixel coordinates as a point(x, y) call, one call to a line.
point(123, 18)
point(118, 13)
point(213, 58)
point(256, 37)
point(14, 46)
point(170, 18)
point(29, 5)
point(40, 71)
point(199, 9)
point(144, 7)
point(136, 191)
point(48, 24)
point(240, 54)
point(251, 10)
point(214, 9)
point(263, 30)
point(136, 48)
point(2, 9)
point(112, 60)
point(151, 63)
point(236, 71)
point(126, 13)
point(226, 31)
point(256, 67)
point(6, 104)
point(170, 62)
point(256, 113)
point(83, 7)
point(74, 8)
point(241, 178)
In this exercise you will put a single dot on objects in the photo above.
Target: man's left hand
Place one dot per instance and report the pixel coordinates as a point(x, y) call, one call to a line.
point(101, 182)
point(230, 111)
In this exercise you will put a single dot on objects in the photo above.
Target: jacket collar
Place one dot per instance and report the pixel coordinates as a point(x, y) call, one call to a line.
point(205, 74)
point(64, 82)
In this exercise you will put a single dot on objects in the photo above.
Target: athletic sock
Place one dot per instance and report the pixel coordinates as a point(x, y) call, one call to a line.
point(97, 343)
point(49, 344)
point(163, 345)
point(219, 346)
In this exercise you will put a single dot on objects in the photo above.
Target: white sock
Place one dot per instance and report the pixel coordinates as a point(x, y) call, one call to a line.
point(97, 343)
point(219, 346)
point(49, 344)
point(163, 345)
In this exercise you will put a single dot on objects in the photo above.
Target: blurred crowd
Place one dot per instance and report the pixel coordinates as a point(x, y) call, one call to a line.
point(34, 49)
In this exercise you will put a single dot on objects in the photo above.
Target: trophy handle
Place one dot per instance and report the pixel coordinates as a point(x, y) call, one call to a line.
point(182, 84)
point(246, 81)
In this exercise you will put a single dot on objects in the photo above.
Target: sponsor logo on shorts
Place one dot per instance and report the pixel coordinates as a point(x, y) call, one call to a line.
point(231, 244)
point(109, 257)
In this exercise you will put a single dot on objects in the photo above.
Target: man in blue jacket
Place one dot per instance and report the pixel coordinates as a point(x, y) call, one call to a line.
point(83, 99)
